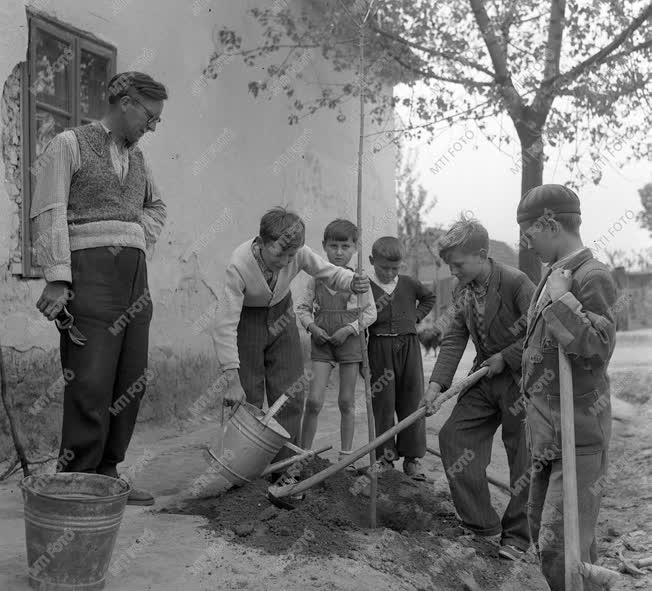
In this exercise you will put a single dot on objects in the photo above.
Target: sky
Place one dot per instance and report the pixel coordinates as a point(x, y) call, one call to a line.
point(466, 172)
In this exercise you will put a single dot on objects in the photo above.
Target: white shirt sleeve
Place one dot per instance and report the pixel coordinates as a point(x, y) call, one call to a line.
point(305, 307)
point(229, 311)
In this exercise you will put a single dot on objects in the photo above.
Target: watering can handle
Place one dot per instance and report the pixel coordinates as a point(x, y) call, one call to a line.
point(275, 408)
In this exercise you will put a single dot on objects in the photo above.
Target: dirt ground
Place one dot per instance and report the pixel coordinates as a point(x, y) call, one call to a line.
point(241, 541)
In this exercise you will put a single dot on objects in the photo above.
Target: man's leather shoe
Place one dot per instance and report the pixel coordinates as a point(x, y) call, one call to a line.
point(138, 496)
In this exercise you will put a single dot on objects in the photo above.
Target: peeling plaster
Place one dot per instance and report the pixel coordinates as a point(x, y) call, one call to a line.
point(11, 121)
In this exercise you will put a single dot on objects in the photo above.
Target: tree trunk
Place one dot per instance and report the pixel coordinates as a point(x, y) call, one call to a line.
point(531, 176)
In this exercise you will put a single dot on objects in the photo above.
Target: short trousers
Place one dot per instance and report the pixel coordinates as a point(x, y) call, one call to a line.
point(348, 352)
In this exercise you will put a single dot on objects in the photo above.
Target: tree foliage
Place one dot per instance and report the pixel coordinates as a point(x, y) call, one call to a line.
point(546, 76)
point(414, 204)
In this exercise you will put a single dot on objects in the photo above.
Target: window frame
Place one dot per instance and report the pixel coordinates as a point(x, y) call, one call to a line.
point(79, 41)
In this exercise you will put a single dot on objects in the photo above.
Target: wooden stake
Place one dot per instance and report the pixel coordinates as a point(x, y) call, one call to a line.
point(371, 425)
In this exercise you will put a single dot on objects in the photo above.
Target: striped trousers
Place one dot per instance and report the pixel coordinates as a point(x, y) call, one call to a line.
point(271, 362)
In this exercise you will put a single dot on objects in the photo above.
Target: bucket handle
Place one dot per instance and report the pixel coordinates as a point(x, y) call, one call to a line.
point(233, 411)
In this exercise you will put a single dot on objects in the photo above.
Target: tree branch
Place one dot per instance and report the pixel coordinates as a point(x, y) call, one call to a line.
point(495, 49)
point(555, 35)
point(513, 101)
point(543, 98)
point(434, 52)
point(602, 55)
point(434, 122)
point(429, 74)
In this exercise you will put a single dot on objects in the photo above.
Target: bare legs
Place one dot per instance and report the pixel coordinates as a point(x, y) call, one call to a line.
point(346, 401)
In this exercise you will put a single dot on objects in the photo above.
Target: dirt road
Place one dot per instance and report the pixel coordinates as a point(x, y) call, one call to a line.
point(240, 542)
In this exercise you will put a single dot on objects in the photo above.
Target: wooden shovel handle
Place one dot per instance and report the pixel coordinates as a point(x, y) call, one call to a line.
point(573, 578)
point(459, 387)
point(283, 491)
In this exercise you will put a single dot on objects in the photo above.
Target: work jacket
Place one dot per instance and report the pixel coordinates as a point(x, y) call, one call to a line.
point(582, 321)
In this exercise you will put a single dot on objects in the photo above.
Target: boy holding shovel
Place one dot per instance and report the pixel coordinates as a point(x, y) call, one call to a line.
point(257, 339)
point(573, 308)
point(491, 303)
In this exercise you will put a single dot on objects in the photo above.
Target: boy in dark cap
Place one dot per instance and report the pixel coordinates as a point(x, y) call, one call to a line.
point(572, 306)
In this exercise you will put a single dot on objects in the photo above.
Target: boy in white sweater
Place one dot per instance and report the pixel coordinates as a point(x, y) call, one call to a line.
point(258, 343)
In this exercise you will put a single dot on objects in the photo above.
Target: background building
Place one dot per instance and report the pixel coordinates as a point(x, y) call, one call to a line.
point(221, 158)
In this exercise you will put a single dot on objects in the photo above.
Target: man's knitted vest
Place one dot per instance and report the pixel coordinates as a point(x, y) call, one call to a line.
point(96, 193)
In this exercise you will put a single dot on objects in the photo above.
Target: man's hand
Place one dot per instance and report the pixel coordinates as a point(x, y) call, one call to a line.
point(430, 398)
point(359, 283)
point(319, 334)
point(341, 334)
point(54, 298)
point(558, 283)
point(495, 363)
point(234, 394)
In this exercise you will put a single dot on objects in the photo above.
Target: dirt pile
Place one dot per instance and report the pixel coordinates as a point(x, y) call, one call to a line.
point(329, 512)
point(416, 528)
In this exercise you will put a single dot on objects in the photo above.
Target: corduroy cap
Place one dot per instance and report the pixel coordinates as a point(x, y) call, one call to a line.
point(544, 200)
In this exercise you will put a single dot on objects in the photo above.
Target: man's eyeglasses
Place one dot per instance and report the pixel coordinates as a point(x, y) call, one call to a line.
point(151, 118)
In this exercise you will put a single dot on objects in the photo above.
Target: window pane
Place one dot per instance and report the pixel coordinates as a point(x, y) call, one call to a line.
point(53, 59)
point(47, 126)
point(94, 76)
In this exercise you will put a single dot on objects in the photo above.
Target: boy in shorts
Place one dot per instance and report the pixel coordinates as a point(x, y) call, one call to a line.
point(331, 318)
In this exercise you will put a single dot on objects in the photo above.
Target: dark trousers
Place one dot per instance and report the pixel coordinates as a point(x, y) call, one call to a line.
point(112, 308)
point(397, 389)
point(465, 442)
point(271, 361)
point(545, 513)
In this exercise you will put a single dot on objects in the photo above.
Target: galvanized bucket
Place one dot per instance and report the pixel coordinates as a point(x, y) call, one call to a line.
point(245, 450)
point(71, 524)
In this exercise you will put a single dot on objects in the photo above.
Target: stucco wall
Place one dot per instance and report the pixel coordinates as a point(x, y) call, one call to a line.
point(214, 158)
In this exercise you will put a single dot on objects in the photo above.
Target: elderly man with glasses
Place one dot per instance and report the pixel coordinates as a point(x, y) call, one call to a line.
point(96, 212)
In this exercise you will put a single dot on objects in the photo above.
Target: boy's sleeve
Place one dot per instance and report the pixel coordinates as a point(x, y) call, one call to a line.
point(512, 354)
point(337, 278)
point(369, 313)
point(226, 327)
point(305, 307)
point(451, 349)
point(426, 299)
point(584, 323)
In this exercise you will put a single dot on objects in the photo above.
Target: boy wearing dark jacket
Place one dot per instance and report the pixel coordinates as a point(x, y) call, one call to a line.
point(572, 307)
point(491, 303)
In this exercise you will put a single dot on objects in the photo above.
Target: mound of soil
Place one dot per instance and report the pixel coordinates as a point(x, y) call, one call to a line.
point(328, 512)
point(417, 527)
